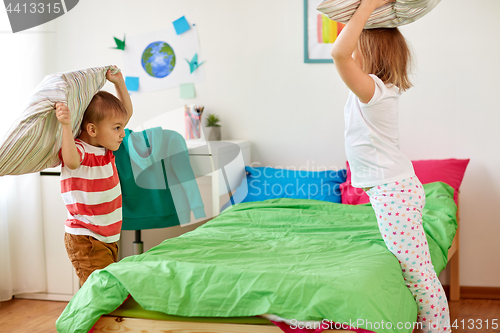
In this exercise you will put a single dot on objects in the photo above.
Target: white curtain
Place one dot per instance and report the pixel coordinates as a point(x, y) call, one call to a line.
point(22, 257)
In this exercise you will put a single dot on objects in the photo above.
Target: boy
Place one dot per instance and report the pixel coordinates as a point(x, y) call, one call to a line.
point(90, 185)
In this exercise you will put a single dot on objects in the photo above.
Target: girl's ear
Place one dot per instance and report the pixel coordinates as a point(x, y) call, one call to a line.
point(92, 129)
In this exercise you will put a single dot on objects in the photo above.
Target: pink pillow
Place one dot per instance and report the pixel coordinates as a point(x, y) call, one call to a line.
point(450, 171)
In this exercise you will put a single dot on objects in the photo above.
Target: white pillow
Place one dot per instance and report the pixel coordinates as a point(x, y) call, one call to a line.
point(33, 142)
point(391, 15)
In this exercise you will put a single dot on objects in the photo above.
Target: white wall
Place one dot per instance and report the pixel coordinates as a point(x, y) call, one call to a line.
point(292, 112)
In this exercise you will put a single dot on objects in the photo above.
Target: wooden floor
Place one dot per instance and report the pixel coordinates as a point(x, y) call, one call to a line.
point(23, 316)
point(28, 316)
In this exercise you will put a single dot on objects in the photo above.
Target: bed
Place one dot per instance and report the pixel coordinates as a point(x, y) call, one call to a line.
point(301, 259)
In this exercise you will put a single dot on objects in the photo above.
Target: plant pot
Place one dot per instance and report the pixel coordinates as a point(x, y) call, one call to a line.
point(214, 133)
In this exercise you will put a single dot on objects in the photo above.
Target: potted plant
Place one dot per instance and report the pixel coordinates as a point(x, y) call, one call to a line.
point(213, 123)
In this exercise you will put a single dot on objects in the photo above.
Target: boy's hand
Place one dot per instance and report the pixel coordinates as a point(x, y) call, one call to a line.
point(63, 114)
point(114, 78)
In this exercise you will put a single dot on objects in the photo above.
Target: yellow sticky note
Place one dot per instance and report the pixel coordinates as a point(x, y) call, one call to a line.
point(187, 90)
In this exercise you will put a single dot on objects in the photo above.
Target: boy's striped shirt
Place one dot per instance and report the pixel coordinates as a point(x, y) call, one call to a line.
point(92, 194)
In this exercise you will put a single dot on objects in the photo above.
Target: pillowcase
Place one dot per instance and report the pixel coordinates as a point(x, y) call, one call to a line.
point(449, 171)
point(391, 15)
point(263, 183)
point(33, 142)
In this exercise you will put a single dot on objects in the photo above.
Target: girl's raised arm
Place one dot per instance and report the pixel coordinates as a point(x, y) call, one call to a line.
point(350, 69)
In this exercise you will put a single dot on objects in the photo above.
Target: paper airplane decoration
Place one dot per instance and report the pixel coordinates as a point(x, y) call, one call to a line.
point(120, 44)
point(193, 64)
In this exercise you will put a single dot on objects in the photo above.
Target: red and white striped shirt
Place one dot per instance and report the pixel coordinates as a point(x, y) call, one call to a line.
point(92, 194)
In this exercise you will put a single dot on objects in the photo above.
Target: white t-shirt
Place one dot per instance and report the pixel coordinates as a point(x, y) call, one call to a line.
point(372, 138)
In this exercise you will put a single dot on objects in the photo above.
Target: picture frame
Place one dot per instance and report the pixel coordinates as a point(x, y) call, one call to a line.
point(319, 34)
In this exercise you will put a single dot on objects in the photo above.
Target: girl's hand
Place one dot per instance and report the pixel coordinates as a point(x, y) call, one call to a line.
point(374, 4)
point(114, 78)
point(63, 114)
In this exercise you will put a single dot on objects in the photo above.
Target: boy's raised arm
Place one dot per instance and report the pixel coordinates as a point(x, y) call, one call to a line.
point(69, 152)
point(121, 91)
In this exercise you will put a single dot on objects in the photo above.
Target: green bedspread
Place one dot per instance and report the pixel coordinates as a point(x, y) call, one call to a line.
point(298, 259)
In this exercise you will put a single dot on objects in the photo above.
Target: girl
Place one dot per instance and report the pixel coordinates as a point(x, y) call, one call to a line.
point(373, 64)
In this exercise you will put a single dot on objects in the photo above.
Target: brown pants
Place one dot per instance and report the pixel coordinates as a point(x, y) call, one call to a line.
point(88, 254)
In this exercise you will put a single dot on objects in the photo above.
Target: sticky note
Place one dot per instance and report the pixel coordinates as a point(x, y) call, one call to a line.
point(132, 83)
point(181, 25)
point(187, 90)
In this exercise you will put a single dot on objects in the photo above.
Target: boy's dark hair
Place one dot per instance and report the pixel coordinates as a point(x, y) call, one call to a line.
point(103, 105)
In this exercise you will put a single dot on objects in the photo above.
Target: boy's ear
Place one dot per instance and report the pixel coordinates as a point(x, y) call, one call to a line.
point(91, 129)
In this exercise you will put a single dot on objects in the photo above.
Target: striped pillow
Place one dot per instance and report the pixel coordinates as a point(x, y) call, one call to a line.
point(33, 142)
point(390, 15)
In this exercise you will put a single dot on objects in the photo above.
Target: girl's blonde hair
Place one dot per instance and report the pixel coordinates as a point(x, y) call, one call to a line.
point(386, 54)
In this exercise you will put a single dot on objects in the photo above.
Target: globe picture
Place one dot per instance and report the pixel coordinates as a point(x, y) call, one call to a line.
point(158, 59)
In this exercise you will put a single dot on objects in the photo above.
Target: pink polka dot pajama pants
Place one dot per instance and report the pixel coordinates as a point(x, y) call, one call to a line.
point(398, 207)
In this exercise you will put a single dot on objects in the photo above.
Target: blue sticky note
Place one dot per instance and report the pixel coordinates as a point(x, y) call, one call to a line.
point(132, 83)
point(187, 90)
point(181, 25)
